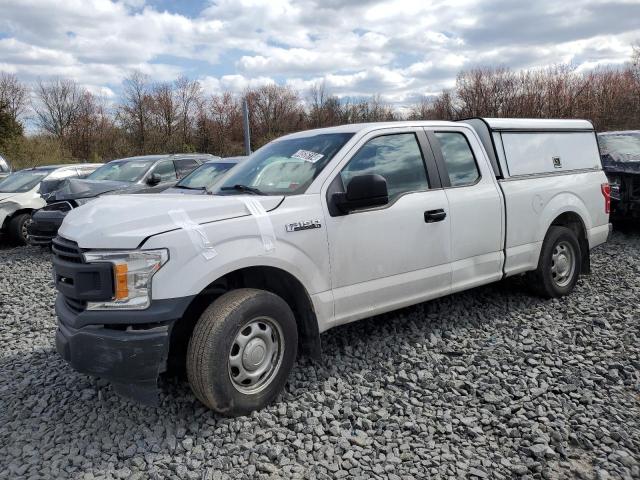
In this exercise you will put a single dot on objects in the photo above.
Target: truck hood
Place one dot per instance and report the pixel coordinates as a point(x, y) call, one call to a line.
point(124, 221)
point(74, 188)
point(183, 191)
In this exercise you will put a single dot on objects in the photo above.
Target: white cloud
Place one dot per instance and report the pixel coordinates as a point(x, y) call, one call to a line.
point(397, 48)
point(232, 83)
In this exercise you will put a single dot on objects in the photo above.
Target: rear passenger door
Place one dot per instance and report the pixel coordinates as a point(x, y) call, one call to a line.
point(396, 255)
point(475, 207)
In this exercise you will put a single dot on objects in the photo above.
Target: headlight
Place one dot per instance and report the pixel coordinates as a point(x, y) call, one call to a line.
point(132, 274)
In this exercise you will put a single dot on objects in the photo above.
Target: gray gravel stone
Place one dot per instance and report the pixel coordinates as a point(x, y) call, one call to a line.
point(490, 383)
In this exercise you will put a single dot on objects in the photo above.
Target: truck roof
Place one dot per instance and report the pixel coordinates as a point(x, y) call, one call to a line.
point(529, 124)
point(534, 124)
point(358, 127)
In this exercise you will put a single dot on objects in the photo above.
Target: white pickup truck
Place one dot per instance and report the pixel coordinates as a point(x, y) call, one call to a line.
point(314, 230)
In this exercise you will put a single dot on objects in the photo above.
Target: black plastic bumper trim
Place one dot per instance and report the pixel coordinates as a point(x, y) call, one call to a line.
point(130, 358)
point(160, 311)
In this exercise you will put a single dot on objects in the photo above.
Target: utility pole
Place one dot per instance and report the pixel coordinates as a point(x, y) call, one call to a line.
point(245, 124)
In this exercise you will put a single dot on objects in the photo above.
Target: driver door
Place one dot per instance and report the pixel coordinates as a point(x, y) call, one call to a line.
point(166, 170)
point(396, 255)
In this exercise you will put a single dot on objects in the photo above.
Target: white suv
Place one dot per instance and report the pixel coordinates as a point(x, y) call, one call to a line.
point(20, 196)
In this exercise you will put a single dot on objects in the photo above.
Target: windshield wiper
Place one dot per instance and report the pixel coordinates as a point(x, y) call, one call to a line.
point(244, 188)
point(190, 188)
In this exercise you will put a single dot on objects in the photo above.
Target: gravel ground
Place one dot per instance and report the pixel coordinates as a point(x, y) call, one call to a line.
point(491, 383)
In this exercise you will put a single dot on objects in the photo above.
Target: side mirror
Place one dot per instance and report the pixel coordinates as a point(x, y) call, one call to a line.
point(363, 191)
point(153, 180)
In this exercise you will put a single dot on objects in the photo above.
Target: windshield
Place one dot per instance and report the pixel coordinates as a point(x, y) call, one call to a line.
point(204, 176)
point(121, 171)
point(625, 144)
point(284, 167)
point(22, 181)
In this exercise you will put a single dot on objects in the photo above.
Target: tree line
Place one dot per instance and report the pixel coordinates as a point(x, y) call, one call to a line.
point(168, 117)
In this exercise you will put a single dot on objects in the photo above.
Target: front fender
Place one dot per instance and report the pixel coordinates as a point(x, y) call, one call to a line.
point(188, 272)
point(7, 209)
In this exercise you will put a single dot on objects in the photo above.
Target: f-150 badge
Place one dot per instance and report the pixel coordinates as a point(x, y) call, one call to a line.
point(304, 225)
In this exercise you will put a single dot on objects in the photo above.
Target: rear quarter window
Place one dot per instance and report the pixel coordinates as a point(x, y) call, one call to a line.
point(458, 158)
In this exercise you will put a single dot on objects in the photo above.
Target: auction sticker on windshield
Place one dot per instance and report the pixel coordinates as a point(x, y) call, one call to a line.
point(308, 156)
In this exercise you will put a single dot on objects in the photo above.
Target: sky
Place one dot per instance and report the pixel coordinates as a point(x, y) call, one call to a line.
point(399, 49)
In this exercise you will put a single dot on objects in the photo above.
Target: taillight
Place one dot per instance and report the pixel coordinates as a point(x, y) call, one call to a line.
point(606, 193)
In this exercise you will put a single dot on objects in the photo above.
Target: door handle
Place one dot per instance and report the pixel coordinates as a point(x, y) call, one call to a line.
point(432, 216)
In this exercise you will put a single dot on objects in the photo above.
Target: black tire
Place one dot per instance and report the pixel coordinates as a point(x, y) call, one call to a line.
point(544, 280)
point(210, 354)
point(17, 228)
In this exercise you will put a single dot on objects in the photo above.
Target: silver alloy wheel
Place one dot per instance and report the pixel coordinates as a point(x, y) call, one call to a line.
point(256, 355)
point(24, 231)
point(563, 263)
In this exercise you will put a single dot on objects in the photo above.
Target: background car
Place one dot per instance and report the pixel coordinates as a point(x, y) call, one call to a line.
point(144, 174)
point(620, 154)
point(51, 184)
point(5, 168)
point(20, 197)
point(205, 176)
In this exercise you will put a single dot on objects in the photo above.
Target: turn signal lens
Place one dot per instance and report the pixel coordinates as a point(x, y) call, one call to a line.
point(606, 193)
point(120, 271)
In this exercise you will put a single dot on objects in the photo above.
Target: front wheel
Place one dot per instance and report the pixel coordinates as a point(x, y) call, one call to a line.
point(559, 263)
point(241, 351)
point(19, 228)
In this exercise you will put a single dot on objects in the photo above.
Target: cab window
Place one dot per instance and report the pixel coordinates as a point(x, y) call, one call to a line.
point(396, 157)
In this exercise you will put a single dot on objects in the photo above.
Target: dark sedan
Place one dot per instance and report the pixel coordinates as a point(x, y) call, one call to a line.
point(205, 176)
point(144, 174)
point(620, 153)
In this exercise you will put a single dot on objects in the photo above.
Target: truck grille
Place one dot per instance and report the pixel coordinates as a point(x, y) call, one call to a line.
point(67, 250)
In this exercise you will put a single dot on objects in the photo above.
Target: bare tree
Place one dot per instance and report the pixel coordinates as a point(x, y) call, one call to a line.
point(188, 96)
point(324, 109)
point(225, 115)
point(317, 99)
point(13, 94)
point(165, 114)
point(58, 103)
point(135, 108)
point(275, 110)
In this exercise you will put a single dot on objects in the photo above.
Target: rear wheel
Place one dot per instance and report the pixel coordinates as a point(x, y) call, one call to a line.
point(241, 351)
point(559, 263)
point(18, 228)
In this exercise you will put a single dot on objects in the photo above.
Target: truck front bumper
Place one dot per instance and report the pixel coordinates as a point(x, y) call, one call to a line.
point(131, 355)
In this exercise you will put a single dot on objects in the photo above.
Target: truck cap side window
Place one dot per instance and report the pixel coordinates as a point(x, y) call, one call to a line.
point(284, 167)
point(396, 157)
point(459, 159)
